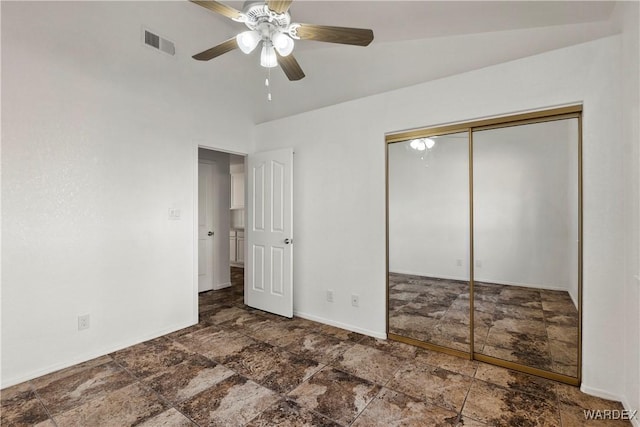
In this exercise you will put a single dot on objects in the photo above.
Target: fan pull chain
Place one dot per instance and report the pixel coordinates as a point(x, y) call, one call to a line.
point(266, 84)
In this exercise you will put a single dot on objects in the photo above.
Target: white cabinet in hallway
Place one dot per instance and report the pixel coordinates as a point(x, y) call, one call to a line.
point(236, 247)
point(232, 246)
point(237, 190)
point(240, 247)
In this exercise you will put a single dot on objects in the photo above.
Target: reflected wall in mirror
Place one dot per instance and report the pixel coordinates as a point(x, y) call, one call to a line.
point(525, 213)
point(428, 224)
point(484, 246)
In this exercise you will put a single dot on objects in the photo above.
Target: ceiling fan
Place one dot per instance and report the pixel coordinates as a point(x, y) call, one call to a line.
point(270, 23)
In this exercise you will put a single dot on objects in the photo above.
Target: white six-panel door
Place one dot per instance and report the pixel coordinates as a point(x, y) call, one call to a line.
point(269, 266)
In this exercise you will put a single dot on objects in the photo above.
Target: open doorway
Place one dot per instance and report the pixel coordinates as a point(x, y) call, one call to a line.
point(269, 204)
point(237, 246)
point(220, 221)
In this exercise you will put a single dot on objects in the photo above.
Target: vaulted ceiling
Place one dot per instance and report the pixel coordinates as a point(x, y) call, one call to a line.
point(415, 41)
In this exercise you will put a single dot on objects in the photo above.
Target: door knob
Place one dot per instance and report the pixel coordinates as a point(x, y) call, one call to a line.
point(287, 241)
point(210, 233)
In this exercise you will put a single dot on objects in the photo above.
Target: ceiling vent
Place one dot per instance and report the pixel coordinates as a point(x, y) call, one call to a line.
point(156, 42)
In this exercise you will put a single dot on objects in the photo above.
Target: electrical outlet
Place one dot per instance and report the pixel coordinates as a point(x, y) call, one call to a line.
point(459, 262)
point(329, 295)
point(83, 322)
point(355, 300)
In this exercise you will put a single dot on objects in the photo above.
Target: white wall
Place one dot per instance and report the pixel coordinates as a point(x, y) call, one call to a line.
point(628, 16)
point(99, 140)
point(221, 215)
point(339, 189)
point(525, 227)
point(429, 209)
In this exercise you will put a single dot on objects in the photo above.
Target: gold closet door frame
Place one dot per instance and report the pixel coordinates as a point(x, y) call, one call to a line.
point(538, 116)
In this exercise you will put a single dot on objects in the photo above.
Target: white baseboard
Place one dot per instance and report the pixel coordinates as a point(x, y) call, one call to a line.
point(375, 334)
point(600, 393)
point(574, 299)
point(610, 396)
point(636, 420)
point(221, 286)
point(8, 382)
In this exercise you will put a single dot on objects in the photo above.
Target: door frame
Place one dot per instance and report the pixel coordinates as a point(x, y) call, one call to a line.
point(213, 219)
point(195, 161)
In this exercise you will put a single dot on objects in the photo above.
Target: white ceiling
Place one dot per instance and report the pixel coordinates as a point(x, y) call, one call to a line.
point(394, 21)
point(415, 41)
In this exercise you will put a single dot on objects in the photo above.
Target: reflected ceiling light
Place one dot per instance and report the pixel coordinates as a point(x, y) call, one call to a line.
point(418, 144)
point(422, 144)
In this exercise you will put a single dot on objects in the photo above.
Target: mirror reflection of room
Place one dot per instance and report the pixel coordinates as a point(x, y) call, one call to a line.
point(484, 246)
point(525, 201)
point(429, 240)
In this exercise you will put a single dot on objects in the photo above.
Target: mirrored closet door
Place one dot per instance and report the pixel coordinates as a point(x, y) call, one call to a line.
point(484, 253)
point(429, 240)
point(525, 213)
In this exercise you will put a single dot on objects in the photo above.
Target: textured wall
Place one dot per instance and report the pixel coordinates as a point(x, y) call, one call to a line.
point(339, 189)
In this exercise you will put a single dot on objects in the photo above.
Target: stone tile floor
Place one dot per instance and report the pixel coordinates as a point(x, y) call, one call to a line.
point(244, 367)
point(534, 327)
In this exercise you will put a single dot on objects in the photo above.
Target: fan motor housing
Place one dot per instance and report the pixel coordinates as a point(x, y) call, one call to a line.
point(258, 13)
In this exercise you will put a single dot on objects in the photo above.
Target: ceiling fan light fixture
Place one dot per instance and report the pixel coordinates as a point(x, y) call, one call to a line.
point(268, 57)
point(269, 21)
point(283, 43)
point(248, 40)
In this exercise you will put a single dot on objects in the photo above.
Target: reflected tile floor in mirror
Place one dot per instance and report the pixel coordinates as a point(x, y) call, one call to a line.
point(243, 367)
point(430, 310)
point(533, 327)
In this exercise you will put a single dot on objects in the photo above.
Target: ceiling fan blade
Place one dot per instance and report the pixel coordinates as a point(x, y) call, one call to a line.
point(218, 50)
point(279, 6)
point(342, 35)
point(290, 67)
point(218, 7)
